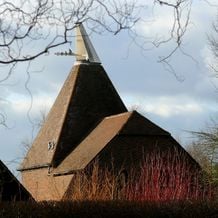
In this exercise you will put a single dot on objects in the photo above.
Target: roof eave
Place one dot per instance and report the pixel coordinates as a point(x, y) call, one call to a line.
point(68, 172)
point(34, 167)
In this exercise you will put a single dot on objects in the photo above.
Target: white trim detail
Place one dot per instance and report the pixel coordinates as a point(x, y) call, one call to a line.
point(84, 49)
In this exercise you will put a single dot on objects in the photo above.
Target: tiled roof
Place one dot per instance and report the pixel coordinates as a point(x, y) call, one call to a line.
point(129, 123)
point(139, 125)
point(84, 153)
point(11, 188)
point(87, 97)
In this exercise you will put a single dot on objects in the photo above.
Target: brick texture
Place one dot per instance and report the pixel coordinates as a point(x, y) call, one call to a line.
point(42, 186)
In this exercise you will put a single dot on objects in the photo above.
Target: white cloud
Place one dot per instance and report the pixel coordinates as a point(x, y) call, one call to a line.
point(167, 110)
point(164, 106)
point(207, 56)
point(159, 20)
point(211, 64)
point(20, 104)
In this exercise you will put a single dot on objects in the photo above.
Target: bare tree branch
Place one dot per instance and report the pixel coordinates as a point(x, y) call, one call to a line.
point(181, 10)
point(30, 29)
point(207, 144)
point(53, 21)
point(213, 45)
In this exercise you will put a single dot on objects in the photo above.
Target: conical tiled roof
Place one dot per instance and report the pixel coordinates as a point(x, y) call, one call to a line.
point(139, 125)
point(86, 97)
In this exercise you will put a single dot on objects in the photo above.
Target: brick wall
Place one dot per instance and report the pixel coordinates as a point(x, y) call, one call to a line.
point(43, 186)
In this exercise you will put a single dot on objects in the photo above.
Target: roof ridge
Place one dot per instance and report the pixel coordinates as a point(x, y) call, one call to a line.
point(117, 115)
point(65, 116)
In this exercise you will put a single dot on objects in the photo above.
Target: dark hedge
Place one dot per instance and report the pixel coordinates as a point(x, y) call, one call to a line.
point(108, 209)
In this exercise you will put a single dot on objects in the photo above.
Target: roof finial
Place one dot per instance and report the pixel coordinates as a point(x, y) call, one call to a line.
point(85, 51)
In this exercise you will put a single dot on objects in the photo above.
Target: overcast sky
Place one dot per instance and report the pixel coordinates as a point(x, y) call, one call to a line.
point(142, 82)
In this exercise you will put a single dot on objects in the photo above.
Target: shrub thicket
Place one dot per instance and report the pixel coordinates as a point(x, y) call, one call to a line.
point(160, 177)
